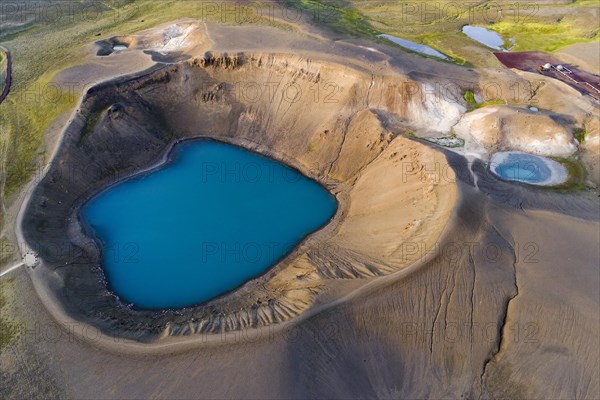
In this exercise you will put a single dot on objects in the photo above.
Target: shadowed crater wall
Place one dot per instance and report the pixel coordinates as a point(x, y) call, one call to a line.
point(327, 120)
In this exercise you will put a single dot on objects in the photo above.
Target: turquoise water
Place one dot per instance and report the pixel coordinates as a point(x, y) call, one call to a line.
point(527, 168)
point(210, 220)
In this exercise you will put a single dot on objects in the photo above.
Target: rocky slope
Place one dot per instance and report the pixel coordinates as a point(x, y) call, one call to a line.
point(502, 128)
point(325, 119)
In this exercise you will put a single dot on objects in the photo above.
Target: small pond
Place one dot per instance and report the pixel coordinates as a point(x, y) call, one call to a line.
point(417, 48)
point(487, 37)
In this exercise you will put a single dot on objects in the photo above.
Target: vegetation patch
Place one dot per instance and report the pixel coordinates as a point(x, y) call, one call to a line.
point(543, 36)
point(33, 104)
point(486, 103)
point(7, 251)
point(3, 69)
point(491, 103)
point(469, 97)
point(576, 171)
point(339, 16)
point(580, 134)
point(9, 331)
point(535, 25)
point(90, 123)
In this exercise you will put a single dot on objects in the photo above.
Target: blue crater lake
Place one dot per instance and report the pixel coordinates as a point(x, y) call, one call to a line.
point(212, 218)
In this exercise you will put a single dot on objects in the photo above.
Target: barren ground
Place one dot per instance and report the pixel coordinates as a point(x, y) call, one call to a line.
point(445, 282)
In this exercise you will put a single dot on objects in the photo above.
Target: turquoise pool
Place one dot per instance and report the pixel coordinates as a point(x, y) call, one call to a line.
point(211, 219)
point(527, 168)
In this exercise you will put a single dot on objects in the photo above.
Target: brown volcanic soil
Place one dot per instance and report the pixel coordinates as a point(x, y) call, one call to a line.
point(485, 313)
point(129, 124)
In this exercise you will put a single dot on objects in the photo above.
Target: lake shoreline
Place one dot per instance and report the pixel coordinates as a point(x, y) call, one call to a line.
point(53, 278)
point(164, 161)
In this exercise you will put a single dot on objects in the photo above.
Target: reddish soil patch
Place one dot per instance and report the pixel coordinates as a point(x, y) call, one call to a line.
point(530, 61)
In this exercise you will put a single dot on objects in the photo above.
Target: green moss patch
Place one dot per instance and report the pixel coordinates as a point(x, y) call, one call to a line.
point(576, 171)
point(580, 134)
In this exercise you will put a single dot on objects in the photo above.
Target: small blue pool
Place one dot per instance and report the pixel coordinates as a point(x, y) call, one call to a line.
point(416, 47)
point(486, 37)
point(211, 219)
point(527, 168)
